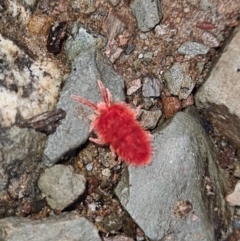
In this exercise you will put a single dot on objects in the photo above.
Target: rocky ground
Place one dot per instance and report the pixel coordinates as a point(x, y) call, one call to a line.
point(179, 61)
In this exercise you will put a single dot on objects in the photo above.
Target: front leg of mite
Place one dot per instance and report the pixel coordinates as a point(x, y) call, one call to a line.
point(97, 141)
point(114, 156)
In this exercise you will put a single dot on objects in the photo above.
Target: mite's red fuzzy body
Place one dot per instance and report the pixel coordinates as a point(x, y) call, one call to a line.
point(115, 124)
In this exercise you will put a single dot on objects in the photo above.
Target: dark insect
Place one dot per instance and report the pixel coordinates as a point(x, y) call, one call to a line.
point(46, 122)
point(56, 37)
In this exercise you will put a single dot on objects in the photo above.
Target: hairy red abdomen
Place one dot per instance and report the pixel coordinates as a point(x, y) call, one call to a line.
point(117, 127)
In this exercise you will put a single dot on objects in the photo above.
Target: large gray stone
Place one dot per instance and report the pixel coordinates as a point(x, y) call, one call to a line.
point(66, 226)
point(219, 97)
point(183, 162)
point(74, 129)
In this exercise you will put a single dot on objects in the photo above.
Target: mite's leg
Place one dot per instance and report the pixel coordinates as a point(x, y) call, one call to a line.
point(102, 90)
point(93, 124)
point(137, 111)
point(113, 153)
point(84, 101)
point(106, 94)
point(97, 141)
point(109, 98)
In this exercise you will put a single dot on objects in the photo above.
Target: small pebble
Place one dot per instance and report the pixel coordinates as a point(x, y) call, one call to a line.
point(223, 143)
point(134, 85)
point(160, 29)
point(147, 103)
point(236, 172)
point(147, 57)
point(105, 161)
point(151, 87)
point(129, 49)
point(171, 105)
point(143, 36)
point(193, 48)
point(186, 9)
point(234, 198)
point(89, 166)
point(106, 172)
point(140, 56)
point(149, 119)
point(210, 40)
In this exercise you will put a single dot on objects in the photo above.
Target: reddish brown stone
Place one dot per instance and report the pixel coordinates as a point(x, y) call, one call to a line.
point(171, 105)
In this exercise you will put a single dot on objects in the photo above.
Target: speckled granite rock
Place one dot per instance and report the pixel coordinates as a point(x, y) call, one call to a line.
point(28, 87)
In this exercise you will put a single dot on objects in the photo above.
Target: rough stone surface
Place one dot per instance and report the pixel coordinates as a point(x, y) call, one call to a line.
point(218, 99)
point(192, 49)
point(151, 87)
point(183, 157)
point(87, 67)
point(178, 81)
point(147, 13)
point(61, 186)
point(149, 119)
point(28, 87)
point(66, 226)
point(234, 197)
point(117, 30)
point(20, 153)
point(133, 86)
point(81, 41)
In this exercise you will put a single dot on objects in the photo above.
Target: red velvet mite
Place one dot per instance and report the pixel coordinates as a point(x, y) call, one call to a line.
point(115, 124)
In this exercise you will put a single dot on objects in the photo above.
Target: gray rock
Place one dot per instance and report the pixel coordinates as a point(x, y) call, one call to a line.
point(129, 49)
point(147, 57)
point(178, 81)
point(192, 49)
point(20, 152)
point(206, 5)
point(66, 226)
point(149, 119)
point(183, 155)
point(151, 87)
point(74, 129)
point(61, 186)
point(112, 222)
point(147, 103)
point(81, 41)
point(147, 13)
point(218, 99)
